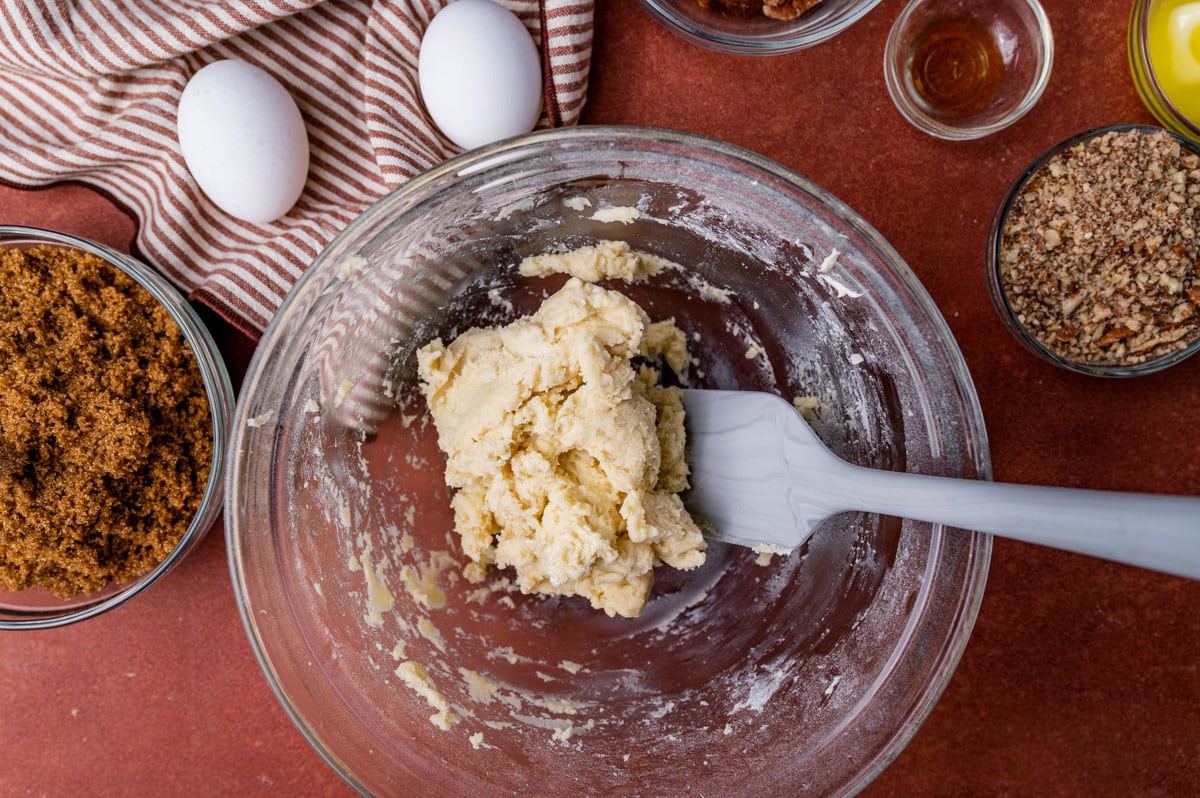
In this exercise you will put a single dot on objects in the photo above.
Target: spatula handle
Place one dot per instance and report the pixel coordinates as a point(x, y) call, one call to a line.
point(1153, 531)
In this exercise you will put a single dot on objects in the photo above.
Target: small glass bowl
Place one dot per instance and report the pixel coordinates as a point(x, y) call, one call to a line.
point(41, 609)
point(758, 34)
point(995, 279)
point(1004, 48)
point(1147, 81)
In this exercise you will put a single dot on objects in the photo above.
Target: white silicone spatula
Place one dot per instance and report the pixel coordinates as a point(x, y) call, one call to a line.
point(761, 476)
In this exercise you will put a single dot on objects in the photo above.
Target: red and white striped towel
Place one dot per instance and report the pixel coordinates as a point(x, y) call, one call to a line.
point(89, 89)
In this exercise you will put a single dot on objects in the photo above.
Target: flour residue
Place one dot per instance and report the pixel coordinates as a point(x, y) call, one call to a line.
point(760, 690)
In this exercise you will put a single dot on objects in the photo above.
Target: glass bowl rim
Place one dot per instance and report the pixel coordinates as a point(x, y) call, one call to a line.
point(218, 389)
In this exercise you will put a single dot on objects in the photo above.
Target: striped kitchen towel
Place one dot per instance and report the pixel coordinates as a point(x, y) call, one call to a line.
point(89, 90)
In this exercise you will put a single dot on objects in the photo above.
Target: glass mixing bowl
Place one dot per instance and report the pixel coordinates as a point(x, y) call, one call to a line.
point(41, 609)
point(809, 672)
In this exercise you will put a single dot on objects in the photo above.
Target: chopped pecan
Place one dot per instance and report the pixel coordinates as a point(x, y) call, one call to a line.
point(1114, 280)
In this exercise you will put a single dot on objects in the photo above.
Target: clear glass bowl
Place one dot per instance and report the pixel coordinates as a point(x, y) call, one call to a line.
point(41, 609)
point(995, 276)
point(1147, 81)
point(809, 673)
point(756, 35)
point(964, 69)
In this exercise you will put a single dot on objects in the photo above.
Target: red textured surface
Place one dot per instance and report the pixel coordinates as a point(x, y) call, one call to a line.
point(1082, 677)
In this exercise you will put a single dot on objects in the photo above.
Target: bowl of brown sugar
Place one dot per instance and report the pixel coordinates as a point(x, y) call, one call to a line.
point(1092, 257)
point(114, 414)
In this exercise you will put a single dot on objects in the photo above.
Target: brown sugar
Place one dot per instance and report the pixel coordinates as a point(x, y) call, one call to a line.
point(105, 433)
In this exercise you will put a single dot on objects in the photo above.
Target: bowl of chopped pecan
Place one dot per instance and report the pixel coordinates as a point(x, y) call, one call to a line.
point(1091, 258)
point(757, 27)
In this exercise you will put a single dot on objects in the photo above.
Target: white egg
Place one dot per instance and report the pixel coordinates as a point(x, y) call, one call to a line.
point(480, 73)
point(243, 140)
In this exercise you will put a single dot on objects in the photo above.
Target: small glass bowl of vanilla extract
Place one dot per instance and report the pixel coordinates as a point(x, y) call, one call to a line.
point(963, 69)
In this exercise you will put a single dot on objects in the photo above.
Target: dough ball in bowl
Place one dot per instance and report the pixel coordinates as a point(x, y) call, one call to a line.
point(749, 674)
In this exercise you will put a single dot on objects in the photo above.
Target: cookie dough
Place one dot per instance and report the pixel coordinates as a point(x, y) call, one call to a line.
point(608, 260)
point(567, 459)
